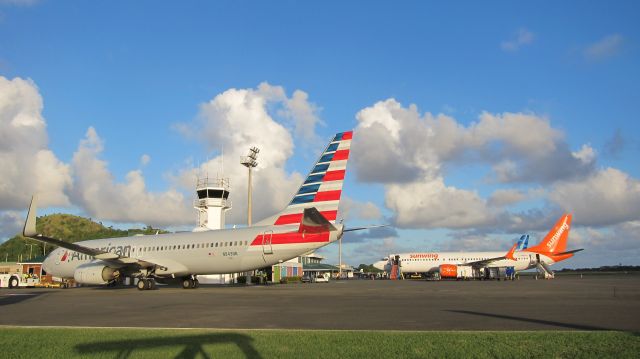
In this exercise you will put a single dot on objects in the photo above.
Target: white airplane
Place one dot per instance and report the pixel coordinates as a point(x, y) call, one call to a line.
point(307, 223)
point(552, 249)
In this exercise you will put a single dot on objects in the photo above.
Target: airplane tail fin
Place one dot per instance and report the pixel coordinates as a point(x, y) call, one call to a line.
point(523, 242)
point(556, 240)
point(323, 186)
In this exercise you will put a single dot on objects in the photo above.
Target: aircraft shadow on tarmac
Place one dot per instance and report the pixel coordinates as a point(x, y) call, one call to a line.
point(192, 345)
point(16, 298)
point(530, 320)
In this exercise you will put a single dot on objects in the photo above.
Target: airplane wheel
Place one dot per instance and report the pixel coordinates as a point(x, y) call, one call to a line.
point(151, 284)
point(142, 284)
point(187, 283)
point(195, 284)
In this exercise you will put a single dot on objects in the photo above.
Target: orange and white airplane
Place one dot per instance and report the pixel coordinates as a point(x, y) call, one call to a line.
point(552, 249)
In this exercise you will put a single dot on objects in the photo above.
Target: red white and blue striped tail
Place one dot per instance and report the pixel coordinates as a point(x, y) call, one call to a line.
point(323, 186)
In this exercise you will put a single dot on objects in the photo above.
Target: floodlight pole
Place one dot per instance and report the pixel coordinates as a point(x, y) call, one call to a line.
point(250, 162)
point(249, 197)
point(340, 258)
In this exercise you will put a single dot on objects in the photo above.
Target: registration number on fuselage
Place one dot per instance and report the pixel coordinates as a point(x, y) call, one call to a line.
point(229, 254)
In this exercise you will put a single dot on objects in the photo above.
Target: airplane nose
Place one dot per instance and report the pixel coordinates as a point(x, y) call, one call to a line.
point(46, 264)
point(380, 265)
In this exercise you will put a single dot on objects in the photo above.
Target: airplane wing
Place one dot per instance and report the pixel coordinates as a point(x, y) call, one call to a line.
point(29, 231)
point(486, 262)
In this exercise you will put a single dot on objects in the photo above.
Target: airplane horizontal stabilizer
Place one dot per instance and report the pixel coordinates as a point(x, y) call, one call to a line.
point(314, 222)
point(568, 252)
point(363, 228)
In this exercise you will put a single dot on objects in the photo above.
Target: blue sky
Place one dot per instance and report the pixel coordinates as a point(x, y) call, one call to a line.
point(137, 72)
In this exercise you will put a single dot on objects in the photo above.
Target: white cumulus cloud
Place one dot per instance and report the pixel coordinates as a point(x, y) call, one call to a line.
point(238, 119)
point(101, 196)
point(410, 154)
point(431, 204)
point(28, 165)
point(608, 197)
point(506, 197)
point(354, 209)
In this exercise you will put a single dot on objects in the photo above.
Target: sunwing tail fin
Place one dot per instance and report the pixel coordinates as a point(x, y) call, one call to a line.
point(556, 240)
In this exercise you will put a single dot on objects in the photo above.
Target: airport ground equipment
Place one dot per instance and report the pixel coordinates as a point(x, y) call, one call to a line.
point(18, 280)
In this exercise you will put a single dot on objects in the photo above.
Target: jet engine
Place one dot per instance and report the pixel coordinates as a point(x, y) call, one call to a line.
point(95, 273)
point(448, 271)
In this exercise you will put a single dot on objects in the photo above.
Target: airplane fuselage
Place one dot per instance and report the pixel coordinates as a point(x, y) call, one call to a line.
point(193, 253)
point(431, 261)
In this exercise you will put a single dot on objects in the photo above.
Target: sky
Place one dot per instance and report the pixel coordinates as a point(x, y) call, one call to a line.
point(474, 122)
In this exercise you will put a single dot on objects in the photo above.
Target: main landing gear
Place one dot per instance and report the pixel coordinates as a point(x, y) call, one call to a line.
point(190, 283)
point(146, 284)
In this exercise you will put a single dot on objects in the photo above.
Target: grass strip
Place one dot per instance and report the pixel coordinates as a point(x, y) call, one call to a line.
point(227, 344)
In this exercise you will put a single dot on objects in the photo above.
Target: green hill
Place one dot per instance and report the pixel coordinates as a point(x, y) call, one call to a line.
point(67, 227)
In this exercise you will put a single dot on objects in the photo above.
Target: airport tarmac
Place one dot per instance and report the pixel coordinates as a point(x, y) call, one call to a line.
point(594, 302)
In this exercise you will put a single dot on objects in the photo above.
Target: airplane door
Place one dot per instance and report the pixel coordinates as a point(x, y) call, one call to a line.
point(267, 237)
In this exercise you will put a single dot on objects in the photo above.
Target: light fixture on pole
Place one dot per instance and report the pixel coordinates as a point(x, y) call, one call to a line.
point(250, 161)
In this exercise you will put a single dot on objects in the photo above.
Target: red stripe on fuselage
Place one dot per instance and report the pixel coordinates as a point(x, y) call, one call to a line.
point(327, 196)
point(291, 238)
point(297, 217)
point(340, 155)
point(333, 175)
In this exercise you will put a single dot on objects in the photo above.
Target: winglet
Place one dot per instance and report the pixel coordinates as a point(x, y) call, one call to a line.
point(30, 225)
point(509, 254)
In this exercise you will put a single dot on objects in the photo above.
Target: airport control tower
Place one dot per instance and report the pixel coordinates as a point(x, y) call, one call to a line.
point(212, 203)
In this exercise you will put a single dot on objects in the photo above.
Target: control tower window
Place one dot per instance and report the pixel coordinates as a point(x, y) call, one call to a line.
point(213, 193)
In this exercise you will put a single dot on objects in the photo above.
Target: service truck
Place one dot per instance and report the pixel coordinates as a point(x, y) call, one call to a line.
point(17, 280)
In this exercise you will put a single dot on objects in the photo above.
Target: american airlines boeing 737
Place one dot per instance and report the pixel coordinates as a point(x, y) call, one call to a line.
point(307, 223)
point(552, 249)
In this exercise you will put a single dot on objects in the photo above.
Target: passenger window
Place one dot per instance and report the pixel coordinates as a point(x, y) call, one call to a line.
point(216, 244)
